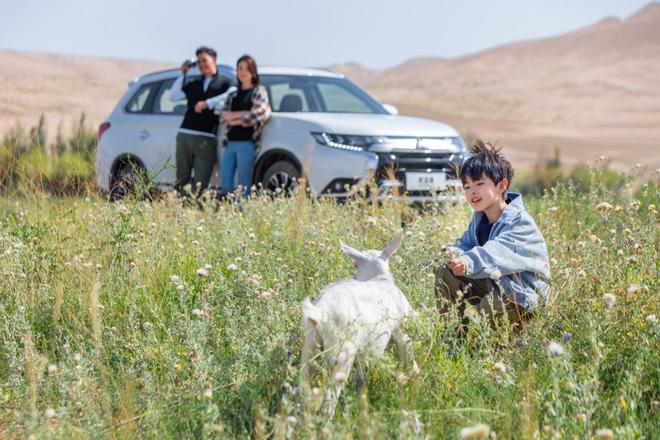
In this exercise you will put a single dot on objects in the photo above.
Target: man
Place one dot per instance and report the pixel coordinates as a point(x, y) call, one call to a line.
point(196, 141)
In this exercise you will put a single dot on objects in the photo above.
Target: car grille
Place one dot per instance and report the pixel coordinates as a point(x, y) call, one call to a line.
point(400, 162)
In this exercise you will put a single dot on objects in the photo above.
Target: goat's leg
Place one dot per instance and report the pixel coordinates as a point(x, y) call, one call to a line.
point(404, 347)
point(340, 373)
point(311, 348)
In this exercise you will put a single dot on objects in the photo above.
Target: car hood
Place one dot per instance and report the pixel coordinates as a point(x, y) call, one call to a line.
point(372, 125)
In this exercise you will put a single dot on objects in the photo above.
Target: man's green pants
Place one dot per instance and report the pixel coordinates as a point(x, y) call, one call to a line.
point(198, 153)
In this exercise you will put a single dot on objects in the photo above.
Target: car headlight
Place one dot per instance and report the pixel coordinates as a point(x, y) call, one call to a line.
point(345, 141)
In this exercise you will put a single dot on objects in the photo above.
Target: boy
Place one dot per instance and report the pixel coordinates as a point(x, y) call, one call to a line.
point(500, 264)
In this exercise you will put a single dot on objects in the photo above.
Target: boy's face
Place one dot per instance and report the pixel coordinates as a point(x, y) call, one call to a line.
point(483, 192)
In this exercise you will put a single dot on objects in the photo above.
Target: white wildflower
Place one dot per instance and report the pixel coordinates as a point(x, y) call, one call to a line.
point(208, 267)
point(495, 275)
point(340, 376)
point(197, 312)
point(265, 294)
point(208, 394)
point(651, 319)
point(174, 279)
point(52, 369)
point(603, 206)
point(232, 267)
point(480, 431)
point(49, 413)
point(500, 367)
point(203, 272)
point(181, 287)
point(555, 349)
point(604, 434)
point(147, 326)
point(609, 300)
point(633, 288)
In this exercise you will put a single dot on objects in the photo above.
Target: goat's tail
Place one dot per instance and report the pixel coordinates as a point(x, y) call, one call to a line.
point(311, 313)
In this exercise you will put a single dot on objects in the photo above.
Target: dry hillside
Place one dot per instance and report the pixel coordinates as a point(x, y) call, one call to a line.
point(594, 91)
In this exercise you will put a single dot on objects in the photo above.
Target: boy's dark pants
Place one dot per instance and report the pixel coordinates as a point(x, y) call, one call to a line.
point(482, 293)
point(198, 153)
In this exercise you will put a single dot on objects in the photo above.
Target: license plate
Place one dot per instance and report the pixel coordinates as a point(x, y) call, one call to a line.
point(426, 181)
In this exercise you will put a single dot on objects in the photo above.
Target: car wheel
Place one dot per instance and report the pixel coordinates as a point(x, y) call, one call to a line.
point(130, 180)
point(283, 175)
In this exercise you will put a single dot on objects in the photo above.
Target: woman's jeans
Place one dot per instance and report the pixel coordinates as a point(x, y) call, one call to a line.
point(238, 156)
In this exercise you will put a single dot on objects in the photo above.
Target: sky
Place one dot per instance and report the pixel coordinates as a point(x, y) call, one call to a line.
point(376, 34)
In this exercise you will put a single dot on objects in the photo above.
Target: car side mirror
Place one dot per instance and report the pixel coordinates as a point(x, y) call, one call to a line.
point(389, 108)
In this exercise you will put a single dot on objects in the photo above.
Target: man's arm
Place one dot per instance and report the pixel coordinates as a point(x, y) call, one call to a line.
point(219, 100)
point(176, 92)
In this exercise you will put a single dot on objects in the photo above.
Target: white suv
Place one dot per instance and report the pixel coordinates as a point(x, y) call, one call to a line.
point(322, 123)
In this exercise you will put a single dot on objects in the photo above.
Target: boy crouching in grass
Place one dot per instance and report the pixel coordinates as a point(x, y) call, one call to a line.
point(500, 264)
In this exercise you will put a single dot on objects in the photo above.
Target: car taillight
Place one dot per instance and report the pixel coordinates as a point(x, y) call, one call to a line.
point(102, 128)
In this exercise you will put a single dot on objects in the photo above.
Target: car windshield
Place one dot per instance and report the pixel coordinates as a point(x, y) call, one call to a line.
point(309, 94)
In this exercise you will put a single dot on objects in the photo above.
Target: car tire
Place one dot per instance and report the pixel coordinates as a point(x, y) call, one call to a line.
point(283, 175)
point(130, 180)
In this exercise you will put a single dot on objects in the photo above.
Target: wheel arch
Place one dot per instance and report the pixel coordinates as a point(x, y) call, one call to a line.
point(269, 158)
point(124, 159)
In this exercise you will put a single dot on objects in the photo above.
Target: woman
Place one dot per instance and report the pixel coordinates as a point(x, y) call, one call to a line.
point(245, 112)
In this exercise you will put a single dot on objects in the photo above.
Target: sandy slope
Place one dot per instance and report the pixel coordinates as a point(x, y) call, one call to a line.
point(590, 92)
point(61, 87)
point(594, 91)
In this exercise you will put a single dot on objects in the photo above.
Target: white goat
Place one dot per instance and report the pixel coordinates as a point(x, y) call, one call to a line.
point(356, 317)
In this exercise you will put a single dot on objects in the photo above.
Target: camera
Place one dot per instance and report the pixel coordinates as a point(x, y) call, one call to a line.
point(191, 62)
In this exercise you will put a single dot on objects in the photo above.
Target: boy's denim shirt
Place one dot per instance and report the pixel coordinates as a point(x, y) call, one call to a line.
point(515, 247)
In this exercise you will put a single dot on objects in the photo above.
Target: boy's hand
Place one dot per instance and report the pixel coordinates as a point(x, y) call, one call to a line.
point(457, 266)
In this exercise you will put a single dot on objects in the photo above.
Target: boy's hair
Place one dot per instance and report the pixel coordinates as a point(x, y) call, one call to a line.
point(207, 50)
point(487, 160)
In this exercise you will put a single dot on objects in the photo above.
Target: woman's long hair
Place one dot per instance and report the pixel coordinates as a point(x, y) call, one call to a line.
point(252, 68)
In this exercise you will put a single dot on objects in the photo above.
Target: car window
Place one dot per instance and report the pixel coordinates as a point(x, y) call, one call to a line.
point(297, 93)
point(163, 103)
point(279, 91)
point(338, 99)
point(139, 103)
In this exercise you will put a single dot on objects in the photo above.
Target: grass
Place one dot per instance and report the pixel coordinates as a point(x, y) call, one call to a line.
point(98, 341)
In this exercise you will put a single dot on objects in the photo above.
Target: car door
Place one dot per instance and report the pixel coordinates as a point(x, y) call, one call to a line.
point(160, 135)
point(137, 122)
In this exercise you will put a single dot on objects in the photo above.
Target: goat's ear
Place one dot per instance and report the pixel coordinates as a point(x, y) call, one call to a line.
point(311, 313)
point(392, 246)
point(350, 252)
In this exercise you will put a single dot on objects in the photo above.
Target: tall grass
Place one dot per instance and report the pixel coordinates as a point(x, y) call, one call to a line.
point(30, 165)
point(107, 330)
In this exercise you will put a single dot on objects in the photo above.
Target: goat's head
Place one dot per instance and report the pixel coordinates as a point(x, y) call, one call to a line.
point(371, 263)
